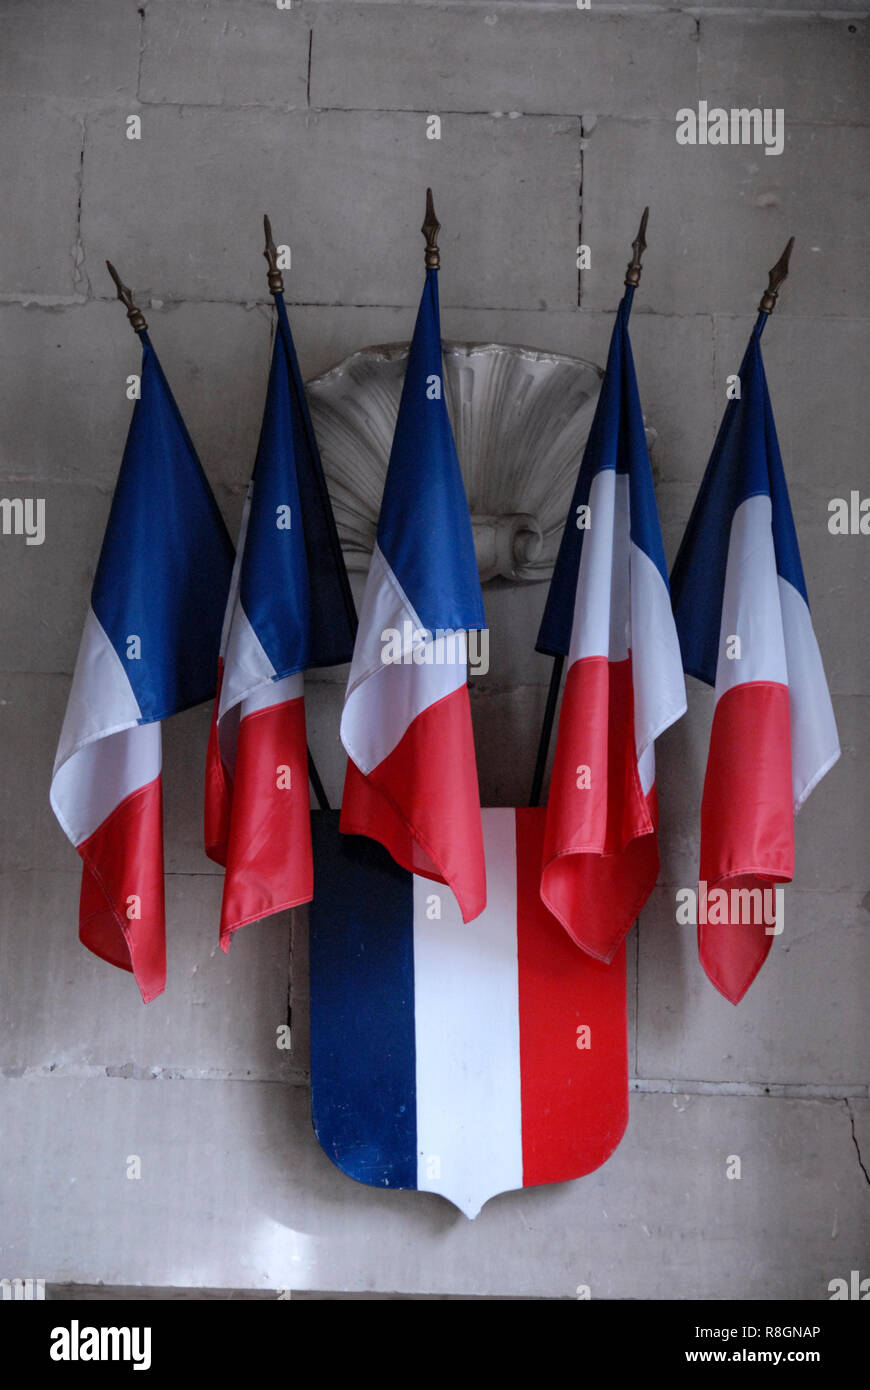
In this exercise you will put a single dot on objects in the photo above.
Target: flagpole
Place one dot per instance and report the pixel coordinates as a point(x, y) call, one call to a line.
point(546, 729)
point(775, 277)
point(430, 229)
point(135, 315)
point(638, 246)
point(632, 280)
point(314, 778)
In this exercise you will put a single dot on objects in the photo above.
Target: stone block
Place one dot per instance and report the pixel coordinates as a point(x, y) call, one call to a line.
point(523, 59)
point(38, 251)
point(506, 190)
point(728, 213)
point(801, 1022)
point(218, 1016)
point(225, 54)
point(64, 386)
point(813, 67)
point(70, 53)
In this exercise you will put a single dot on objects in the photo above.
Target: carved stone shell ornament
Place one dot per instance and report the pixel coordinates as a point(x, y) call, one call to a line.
point(520, 419)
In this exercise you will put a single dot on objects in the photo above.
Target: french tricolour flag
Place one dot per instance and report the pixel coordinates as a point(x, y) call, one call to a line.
point(744, 623)
point(289, 610)
point(148, 650)
point(406, 725)
point(460, 1060)
point(609, 612)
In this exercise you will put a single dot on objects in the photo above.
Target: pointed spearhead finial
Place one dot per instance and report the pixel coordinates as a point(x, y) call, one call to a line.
point(776, 277)
point(274, 276)
point(430, 229)
point(638, 246)
point(136, 317)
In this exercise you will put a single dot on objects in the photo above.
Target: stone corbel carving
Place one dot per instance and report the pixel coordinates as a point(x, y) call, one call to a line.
point(506, 546)
point(520, 418)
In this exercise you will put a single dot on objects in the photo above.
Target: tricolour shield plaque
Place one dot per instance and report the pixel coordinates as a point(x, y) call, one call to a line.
point(464, 1059)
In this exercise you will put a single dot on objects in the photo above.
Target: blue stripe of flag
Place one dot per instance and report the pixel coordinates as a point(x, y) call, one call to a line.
point(745, 462)
point(166, 560)
point(363, 1061)
point(425, 528)
point(293, 583)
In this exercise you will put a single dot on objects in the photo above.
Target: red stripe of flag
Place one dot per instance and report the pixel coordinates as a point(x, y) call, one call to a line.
point(423, 800)
point(747, 823)
point(600, 853)
point(121, 909)
point(269, 864)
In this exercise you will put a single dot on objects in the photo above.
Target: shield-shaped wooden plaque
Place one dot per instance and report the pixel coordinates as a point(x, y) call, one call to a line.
point(465, 1059)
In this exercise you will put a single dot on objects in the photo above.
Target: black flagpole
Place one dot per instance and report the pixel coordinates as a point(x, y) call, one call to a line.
point(314, 777)
point(632, 279)
point(547, 729)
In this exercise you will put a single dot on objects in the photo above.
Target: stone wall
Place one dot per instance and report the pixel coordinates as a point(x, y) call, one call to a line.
point(558, 125)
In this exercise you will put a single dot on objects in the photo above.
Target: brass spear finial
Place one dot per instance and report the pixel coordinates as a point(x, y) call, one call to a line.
point(430, 229)
point(274, 277)
point(136, 317)
point(638, 246)
point(776, 276)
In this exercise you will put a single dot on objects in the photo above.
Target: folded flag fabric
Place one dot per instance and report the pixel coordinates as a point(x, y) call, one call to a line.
point(148, 650)
point(743, 618)
point(460, 1060)
point(411, 779)
point(608, 610)
point(289, 611)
